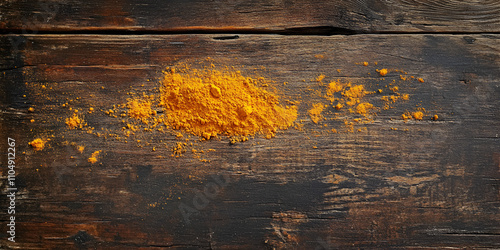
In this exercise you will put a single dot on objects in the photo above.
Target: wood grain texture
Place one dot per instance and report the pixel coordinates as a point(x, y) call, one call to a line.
point(372, 16)
point(434, 185)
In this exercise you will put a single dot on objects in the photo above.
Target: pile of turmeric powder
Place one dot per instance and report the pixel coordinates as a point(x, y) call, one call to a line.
point(211, 102)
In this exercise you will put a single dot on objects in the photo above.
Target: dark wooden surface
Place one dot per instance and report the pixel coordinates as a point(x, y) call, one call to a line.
point(426, 16)
point(429, 184)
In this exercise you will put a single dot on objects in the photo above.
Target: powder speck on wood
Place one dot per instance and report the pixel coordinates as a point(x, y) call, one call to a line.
point(383, 72)
point(94, 157)
point(74, 122)
point(315, 112)
point(37, 144)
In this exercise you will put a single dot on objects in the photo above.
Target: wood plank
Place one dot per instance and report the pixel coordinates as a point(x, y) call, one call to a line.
point(429, 16)
point(433, 185)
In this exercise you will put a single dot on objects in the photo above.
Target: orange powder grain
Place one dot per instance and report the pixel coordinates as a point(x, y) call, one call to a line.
point(339, 106)
point(364, 107)
point(74, 122)
point(334, 87)
point(140, 109)
point(406, 116)
point(315, 112)
point(37, 144)
point(353, 94)
point(94, 157)
point(418, 115)
point(383, 72)
point(320, 78)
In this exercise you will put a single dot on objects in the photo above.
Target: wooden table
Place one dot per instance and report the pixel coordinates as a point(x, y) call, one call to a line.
point(416, 184)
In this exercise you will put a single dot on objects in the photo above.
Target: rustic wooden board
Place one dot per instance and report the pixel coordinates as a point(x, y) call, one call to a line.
point(428, 16)
point(434, 185)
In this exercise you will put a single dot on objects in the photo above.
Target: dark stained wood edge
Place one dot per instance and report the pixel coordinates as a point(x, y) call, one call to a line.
point(377, 16)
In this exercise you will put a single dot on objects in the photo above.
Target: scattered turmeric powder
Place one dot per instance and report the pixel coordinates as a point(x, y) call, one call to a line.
point(339, 106)
point(420, 80)
point(74, 121)
point(435, 117)
point(140, 109)
point(383, 72)
point(406, 116)
point(353, 94)
point(320, 78)
point(80, 149)
point(315, 112)
point(179, 149)
point(363, 129)
point(215, 101)
point(364, 107)
point(418, 115)
point(37, 144)
point(94, 157)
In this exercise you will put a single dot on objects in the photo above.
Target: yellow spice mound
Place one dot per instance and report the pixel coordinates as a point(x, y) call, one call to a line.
point(37, 144)
point(213, 102)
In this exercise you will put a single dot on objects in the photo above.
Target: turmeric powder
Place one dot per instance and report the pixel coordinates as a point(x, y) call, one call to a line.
point(315, 112)
point(74, 122)
point(353, 94)
point(179, 149)
point(212, 102)
point(417, 115)
point(383, 72)
point(140, 109)
point(364, 107)
point(37, 144)
point(93, 158)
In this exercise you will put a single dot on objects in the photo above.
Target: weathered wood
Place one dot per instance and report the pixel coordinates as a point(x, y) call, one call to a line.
point(427, 16)
point(434, 185)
